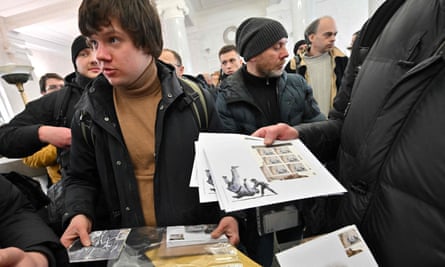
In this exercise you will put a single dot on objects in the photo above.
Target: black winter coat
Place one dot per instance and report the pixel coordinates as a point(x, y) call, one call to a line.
point(239, 112)
point(21, 227)
point(101, 182)
point(392, 149)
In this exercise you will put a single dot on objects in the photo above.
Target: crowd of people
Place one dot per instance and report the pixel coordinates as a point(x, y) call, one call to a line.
point(108, 132)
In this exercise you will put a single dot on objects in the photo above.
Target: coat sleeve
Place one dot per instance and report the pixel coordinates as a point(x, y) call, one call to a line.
point(19, 138)
point(323, 138)
point(21, 227)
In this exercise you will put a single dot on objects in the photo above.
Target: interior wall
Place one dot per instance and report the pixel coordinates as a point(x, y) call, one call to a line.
point(206, 37)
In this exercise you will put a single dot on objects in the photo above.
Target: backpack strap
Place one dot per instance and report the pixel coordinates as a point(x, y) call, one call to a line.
point(61, 106)
point(85, 127)
point(194, 92)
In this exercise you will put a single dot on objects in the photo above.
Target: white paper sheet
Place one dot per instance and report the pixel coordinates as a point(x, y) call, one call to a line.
point(247, 174)
point(342, 248)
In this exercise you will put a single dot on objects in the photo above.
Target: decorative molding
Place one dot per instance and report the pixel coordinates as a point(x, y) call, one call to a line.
point(227, 35)
point(172, 9)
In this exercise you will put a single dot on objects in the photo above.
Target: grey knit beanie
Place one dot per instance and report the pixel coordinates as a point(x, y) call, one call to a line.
point(255, 35)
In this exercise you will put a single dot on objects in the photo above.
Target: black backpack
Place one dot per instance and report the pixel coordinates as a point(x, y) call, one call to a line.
point(29, 187)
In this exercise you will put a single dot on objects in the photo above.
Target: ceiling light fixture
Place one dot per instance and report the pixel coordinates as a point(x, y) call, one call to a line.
point(18, 75)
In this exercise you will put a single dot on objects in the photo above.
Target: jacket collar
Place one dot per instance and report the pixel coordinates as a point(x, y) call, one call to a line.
point(99, 95)
point(235, 88)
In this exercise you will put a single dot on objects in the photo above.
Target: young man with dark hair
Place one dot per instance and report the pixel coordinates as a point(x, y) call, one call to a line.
point(36, 126)
point(126, 144)
point(50, 82)
point(47, 120)
point(230, 60)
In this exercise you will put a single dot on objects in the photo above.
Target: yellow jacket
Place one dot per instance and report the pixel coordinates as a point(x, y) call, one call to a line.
point(46, 157)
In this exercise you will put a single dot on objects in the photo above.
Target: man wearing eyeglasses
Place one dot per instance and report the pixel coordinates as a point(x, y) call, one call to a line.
point(173, 58)
point(50, 82)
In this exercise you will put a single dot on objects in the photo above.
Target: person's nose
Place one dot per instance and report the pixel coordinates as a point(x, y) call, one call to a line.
point(93, 59)
point(101, 53)
point(284, 53)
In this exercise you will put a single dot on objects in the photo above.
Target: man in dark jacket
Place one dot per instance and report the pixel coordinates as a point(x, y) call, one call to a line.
point(25, 239)
point(134, 131)
point(390, 153)
point(260, 93)
point(40, 124)
point(299, 49)
point(230, 61)
point(47, 120)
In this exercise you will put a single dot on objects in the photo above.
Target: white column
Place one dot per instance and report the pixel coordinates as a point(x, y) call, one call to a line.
point(300, 18)
point(172, 13)
point(280, 11)
point(373, 5)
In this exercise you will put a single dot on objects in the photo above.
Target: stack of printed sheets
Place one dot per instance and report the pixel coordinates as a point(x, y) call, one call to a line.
point(240, 172)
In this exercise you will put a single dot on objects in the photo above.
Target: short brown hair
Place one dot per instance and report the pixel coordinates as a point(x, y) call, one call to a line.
point(138, 18)
point(46, 76)
point(227, 49)
point(175, 55)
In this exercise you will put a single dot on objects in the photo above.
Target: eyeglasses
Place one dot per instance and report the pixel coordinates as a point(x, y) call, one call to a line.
point(54, 87)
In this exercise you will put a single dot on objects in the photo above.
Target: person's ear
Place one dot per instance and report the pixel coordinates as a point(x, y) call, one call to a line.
point(181, 70)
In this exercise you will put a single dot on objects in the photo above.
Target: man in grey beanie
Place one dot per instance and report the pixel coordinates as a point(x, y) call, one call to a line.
point(260, 93)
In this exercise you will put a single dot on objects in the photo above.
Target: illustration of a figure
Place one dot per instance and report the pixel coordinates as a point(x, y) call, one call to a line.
point(235, 184)
point(246, 190)
point(209, 177)
point(263, 186)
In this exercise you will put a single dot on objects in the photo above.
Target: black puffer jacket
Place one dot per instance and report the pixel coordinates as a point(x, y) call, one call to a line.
point(392, 149)
point(21, 227)
point(102, 183)
point(239, 112)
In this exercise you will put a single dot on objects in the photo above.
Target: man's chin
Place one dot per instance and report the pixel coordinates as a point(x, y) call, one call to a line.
point(276, 73)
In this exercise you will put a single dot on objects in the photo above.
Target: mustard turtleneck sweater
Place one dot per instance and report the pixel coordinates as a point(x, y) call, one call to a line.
point(136, 108)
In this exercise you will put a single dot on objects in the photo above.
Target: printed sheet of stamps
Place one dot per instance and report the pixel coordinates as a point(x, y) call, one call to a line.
point(245, 173)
